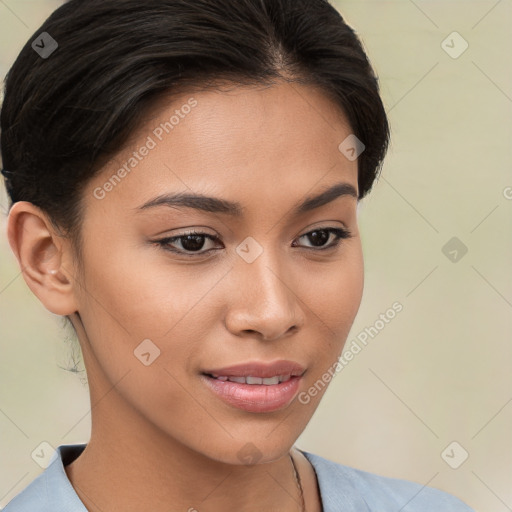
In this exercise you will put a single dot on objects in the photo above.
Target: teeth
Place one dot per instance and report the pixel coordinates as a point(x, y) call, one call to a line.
point(253, 380)
point(267, 381)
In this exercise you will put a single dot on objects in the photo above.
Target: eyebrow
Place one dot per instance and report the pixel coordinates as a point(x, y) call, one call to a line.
point(235, 209)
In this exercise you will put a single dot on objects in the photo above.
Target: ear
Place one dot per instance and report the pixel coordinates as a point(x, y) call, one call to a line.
point(44, 257)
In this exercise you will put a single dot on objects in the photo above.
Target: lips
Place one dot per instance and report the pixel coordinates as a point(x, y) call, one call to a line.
point(258, 370)
point(250, 379)
point(256, 386)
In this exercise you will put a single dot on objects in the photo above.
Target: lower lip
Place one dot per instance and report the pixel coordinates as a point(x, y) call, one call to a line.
point(255, 397)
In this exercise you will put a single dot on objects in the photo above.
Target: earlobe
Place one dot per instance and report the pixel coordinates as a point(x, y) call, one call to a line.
point(41, 255)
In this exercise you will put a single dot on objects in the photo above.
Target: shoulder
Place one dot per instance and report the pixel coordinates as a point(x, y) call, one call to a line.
point(341, 485)
point(51, 491)
point(32, 498)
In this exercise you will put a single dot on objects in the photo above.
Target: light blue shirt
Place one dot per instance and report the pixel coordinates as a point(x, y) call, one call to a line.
point(342, 489)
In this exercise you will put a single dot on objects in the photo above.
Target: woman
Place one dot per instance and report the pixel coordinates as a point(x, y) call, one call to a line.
point(184, 179)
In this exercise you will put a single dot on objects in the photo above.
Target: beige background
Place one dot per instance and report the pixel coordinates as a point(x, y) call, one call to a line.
point(440, 371)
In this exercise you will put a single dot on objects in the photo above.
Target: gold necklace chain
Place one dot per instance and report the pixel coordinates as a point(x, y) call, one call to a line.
point(299, 484)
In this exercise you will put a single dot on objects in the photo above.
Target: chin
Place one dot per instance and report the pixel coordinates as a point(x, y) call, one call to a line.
point(262, 450)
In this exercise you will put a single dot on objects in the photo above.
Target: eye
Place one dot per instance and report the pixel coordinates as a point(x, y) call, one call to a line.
point(193, 242)
point(320, 236)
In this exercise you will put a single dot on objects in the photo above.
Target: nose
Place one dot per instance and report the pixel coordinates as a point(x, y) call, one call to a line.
point(265, 299)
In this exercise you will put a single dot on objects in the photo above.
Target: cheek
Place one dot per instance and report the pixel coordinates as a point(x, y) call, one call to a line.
point(350, 291)
point(335, 303)
point(126, 315)
point(334, 300)
point(133, 294)
point(334, 292)
point(131, 298)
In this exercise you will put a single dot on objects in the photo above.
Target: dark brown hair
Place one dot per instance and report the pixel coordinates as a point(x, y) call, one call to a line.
point(63, 115)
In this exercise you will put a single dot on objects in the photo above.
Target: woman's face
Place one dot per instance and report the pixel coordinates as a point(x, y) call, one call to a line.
point(252, 288)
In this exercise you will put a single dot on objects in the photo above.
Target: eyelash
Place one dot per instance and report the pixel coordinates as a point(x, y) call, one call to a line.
point(341, 233)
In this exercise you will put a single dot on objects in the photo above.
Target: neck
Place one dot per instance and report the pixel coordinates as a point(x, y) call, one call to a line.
point(128, 466)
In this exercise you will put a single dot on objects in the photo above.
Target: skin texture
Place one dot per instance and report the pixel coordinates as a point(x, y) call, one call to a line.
point(159, 435)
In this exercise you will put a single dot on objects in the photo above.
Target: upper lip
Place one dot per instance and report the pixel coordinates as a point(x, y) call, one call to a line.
point(259, 369)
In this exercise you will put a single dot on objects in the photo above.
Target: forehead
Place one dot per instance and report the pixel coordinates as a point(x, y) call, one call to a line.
point(234, 119)
point(271, 142)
